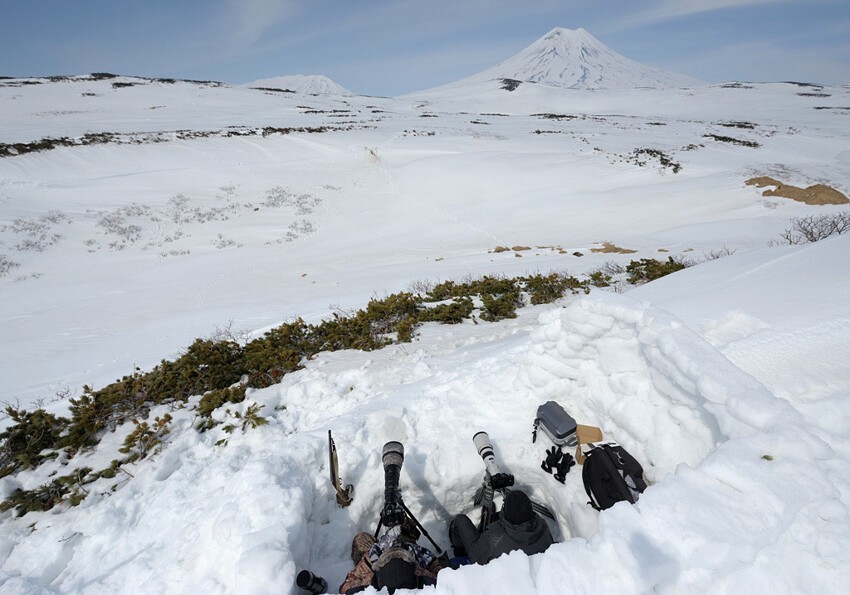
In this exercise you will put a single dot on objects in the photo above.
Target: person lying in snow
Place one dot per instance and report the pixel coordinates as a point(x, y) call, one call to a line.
point(517, 528)
point(395, 561)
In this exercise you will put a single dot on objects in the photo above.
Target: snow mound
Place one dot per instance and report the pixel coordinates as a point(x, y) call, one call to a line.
point(309, 84)
point(575, 59)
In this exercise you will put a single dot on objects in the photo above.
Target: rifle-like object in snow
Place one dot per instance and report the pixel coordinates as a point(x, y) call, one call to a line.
point(344, 495)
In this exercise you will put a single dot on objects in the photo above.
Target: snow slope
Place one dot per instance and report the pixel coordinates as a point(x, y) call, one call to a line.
point(748, 490)
point(197, 206)
point(206, 193)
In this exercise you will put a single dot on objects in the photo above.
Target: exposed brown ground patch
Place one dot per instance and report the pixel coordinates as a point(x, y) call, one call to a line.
point(609, 248)
point(499, 249)
point(819, 194)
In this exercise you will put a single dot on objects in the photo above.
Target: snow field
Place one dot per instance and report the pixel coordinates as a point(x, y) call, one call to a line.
point(728, 381)
point(248, 516)
point(400, 206)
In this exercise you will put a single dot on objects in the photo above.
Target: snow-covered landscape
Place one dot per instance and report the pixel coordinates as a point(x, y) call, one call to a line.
point(139, 214)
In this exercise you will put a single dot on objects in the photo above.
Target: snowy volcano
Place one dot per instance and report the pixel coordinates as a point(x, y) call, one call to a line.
point(575, 59)
point(310, 84)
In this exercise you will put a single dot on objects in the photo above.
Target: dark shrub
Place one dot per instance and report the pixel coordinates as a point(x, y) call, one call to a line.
point(649, 269)
point(545, 289)
point(453, 312)
point(22, 443)
point(278, 352)
point(215, 399)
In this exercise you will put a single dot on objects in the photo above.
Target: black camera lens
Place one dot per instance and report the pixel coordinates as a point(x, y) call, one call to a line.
point(311, 583)
point(392, 458)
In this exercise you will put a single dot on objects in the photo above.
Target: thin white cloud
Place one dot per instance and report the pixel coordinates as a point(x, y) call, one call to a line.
point(247, 20)
point(665, 10)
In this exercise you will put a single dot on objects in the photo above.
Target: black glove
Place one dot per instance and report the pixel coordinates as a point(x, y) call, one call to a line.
point(563, 467)
point(553, 455)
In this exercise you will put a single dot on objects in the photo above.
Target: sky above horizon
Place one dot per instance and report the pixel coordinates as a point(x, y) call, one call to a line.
point(382, 47)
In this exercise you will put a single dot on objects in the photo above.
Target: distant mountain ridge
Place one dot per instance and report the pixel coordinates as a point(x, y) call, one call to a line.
point(575, 59)
point(311, 84)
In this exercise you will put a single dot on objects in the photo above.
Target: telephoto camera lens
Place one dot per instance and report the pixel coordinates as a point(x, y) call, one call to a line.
point(392, 458)
point(393, 454)
point(311, 583)
point(485, 448)
point(482, 443)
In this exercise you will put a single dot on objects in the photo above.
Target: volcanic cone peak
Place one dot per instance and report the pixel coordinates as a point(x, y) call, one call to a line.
point(576, 59)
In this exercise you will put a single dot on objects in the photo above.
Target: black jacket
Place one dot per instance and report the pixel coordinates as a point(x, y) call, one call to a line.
point(501, 537)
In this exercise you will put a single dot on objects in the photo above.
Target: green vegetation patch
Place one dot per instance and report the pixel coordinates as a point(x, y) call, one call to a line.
point(23, 443)
point(649, 269)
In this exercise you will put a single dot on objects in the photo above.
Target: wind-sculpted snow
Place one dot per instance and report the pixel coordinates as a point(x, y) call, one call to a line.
point(609, 365)
point(618, 359)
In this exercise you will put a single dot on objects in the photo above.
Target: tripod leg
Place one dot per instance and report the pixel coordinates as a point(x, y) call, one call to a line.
point(421, 528)
point(488, 510)
point(540, 509)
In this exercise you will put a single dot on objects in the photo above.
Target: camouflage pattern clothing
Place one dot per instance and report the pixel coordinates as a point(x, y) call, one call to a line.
point(370, 556)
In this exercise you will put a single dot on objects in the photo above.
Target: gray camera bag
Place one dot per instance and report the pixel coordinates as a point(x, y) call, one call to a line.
point(555, 423)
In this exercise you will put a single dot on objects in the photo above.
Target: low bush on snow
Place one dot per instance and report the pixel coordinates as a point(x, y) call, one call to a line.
point(146, 438)
point(814, 228)
point(649, 269)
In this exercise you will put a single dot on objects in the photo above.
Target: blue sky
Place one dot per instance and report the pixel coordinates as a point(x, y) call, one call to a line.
point(390, 47)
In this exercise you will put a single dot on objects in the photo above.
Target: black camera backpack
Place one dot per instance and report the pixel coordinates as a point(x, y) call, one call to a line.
point(610, 475)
